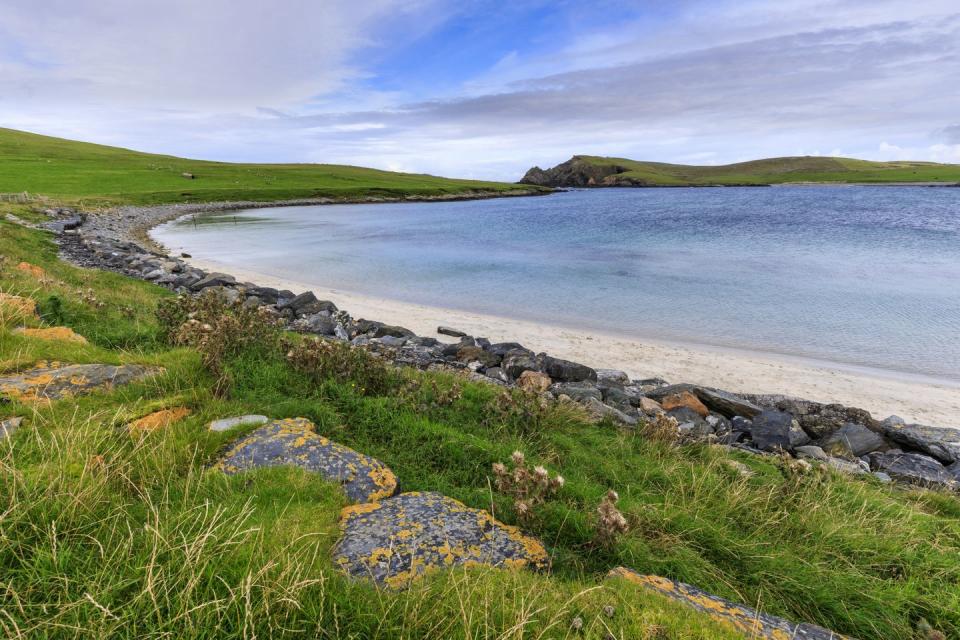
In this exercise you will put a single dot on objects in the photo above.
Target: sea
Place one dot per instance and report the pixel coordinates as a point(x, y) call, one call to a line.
point(859, 275)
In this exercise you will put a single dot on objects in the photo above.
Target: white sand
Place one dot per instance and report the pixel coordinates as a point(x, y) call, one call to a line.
point(913, 398)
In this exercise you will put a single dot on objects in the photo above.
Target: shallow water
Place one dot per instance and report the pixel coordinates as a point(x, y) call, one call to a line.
point(859, 275)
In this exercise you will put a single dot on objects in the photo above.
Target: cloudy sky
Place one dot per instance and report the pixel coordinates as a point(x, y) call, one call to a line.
point(485, 89)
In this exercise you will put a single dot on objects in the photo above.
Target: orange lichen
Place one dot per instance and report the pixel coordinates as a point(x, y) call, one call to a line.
point(33, 270)
point(157, 420)
point(12, 307)
point(65, 334)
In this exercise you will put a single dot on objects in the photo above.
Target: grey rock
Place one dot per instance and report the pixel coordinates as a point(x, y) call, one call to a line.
point(225, 424)
point(497, 374)
point(577, 391)
point(892, 421)
point(617, 398)
point(392, 341)
point(776, 430)
point(882, 477)
point(811, 451)
point(453, 333)
point(517, 361)
point(852, 440)
point(214, 280)
point(847, 467)
point(503, 348)
point(565, 370)
point(598, 411)
point(723, 402)
point(612, 378)
point(317, 323)
point(914, 468)
point(938, 442)
point(9, 425)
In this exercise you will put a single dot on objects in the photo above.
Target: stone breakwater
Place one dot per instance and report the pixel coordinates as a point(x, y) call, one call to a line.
point(847, 439)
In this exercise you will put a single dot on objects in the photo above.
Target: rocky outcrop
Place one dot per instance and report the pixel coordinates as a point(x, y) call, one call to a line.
point(294, 442)
point(748, 621)
point(578, 172)
point(394, 541)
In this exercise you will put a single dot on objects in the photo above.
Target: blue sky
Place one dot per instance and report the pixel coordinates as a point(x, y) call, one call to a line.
point(487, 89)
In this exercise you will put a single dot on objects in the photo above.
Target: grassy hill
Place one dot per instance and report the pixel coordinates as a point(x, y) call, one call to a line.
point(96, 174)
point(107, 535)
point(601, 171)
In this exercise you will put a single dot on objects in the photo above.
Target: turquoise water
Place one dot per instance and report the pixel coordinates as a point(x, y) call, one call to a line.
point(861, 275)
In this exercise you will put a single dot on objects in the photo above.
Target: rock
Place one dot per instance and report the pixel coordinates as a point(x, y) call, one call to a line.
point(33, 270)
point(882, 477)
point(577, 391)
point(497, 374)
point(214, 280)
point(598, 411)
point(517, 361)
point(53, 380)
point(684, 399)
point(850, 468)
point(566, 371)
point(612, 377)
point(157, 420)
point(225, 424)
point(914, 468)
point(851, 440)
point(617, 398)
point(892, 421)
point(378, 330)
point(940, 443)
point(477, 354)
point(9, 425)
point(723, 402)
point(300, 302)
point(393, 341)
point(811, 451)
point(13, 308)
point(689, 422)
point(718, 423)
point(394, 541)
point(954, 470)
point(453, 333)
point(503, 348)
point(738, 617)
point(534, 381)
point(294, 442)
point(64, 334)
point(776, 430)
point(818, 420)
point(649, 406)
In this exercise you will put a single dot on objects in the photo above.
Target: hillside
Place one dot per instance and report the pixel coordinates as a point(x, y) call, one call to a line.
point(96, 174)
point(594, 171)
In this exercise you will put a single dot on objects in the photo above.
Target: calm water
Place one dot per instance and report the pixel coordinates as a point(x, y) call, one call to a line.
point(860, 275)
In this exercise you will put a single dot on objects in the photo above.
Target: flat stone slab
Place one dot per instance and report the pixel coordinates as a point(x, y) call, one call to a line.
point(225, 424)
point(65, 334)
point(750, 622)
point(397, 540)
point(54, 380)
point(294, 442)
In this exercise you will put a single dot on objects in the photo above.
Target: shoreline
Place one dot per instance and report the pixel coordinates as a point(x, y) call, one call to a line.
point(910, 396)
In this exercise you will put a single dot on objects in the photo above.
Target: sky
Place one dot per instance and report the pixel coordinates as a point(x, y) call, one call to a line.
point(483, 89)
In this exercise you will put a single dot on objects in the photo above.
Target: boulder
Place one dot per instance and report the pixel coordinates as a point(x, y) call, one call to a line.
point(392, 341)
point(649, 406)
point(684, 399)
point(689, 422)
point(740, 618)
point(225, 424)
point(855, 468)
point(503, 348)
point(294, 442)
point(453, 333)
point(496, 373)
point(818, 420)
point(318, 323)
point(776, 430)
point(598, 411)
point(612, 378)
point(214, 280)
point(811, 451)
point(723, 402)
point(54, 380)
point(914, 468)
point(534, 381)
point(851, 441)
point(566, 371)
point(515, 362)
point(394, 541)
point(477, 354)
point(616, 397)
point(938, 442)
point(577, 391)
point(157, 420)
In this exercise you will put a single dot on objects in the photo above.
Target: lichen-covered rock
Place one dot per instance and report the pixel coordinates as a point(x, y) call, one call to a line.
point(750, 622)
point(684, 399)
point(157, 420)
point(9, 425)
point(396, 540)
point(938, 442)
point(723, 402)
point(852, 441)
point(294, 442)
point(53, 380)
point(777, 431)
point(32, 269)
point(534, 381)
point(64, 334)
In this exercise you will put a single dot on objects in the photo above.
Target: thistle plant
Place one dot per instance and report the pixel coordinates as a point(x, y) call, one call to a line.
point(528, 486)
point(611, 524)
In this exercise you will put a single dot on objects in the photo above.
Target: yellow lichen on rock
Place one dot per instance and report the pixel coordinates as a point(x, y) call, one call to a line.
point(157, 420)
point(65, 334)
point(33, 270)
point(16, 307)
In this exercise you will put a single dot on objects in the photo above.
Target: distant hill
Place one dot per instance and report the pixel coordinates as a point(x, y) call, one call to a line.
point(595, 171)
point(74, 171)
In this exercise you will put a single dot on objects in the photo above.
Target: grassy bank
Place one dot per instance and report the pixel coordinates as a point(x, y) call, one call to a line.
point(79, 172)
point(806, 169)
point(104, 535)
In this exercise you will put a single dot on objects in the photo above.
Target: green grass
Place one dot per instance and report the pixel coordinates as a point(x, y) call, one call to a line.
point(782, 170)
point(152, 543)
point(93, 174)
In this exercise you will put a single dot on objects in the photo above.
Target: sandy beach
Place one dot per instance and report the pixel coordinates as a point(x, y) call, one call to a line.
point(913, 398)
